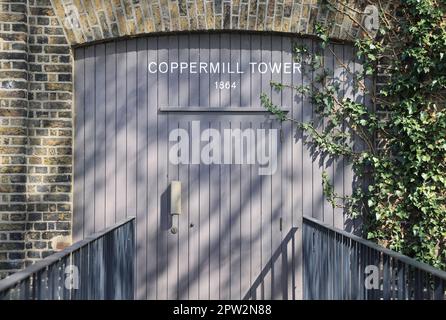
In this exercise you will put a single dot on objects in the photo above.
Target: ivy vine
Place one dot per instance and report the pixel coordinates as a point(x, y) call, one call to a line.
point(401, 165)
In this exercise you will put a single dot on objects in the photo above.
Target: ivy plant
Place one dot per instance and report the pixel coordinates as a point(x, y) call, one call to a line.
point(401, 165)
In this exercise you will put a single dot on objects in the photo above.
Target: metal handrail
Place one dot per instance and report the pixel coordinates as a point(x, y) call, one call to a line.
point(40, 266)
point(407, 260)
point(340, 265)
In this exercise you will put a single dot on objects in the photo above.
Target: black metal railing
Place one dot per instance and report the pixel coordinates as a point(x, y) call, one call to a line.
point(99, 267)
point(339, 265)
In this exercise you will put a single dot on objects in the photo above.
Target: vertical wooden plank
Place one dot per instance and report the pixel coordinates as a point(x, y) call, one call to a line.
point(358, 144)
point(89, 168)
point(110, 133)
point(172, 237)
point(348, 93)
point(183, 82)
point(185, 225)
point(234, 172)
point(288, 232)
point(141, 167)
point(194, 78)
point(194, 231)
point(172, 244)
point(244, 84)
point(338, 184)
point(225, 58)
point(307, 167)
point(152, 165)
point(243, 100)
point(256, 78)
point(121, 131)
point(298, 186)
point(79, 145)
point(245, 216)
point(234, 72)
point(99, 178)
point(163, 222)
point(214, 78)
point(214, 223)
point(132, 127)
point(266, 185)
point(276, 178)
point(364, 96)
point(316, 157)
point(236, 197)
point(328, 162)
point(205, 86)
point(225, 224)
point(205, 240)
point(174, 77)
point(256, 180)
point(194, 216)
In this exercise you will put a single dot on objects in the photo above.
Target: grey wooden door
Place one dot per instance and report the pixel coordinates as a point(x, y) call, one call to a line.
point(233, 240)
point(245, 241)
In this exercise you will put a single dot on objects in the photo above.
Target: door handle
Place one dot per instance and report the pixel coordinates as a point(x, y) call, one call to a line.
point(175, 204)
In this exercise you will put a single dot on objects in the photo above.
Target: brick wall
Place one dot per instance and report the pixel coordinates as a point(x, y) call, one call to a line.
point(35, 132)
point(13, 132)
point(36, 109)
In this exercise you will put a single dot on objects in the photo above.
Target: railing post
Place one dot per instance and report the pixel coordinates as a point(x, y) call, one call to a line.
point(386, 278)
point(439, 289)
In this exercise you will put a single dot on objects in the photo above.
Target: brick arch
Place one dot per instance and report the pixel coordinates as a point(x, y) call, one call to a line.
point(87, 21)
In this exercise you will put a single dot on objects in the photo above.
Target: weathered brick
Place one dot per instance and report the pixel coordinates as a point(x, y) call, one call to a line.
point(34, 254)
point(57, 160)
point(12, 131)
point(11, 265)
point(16, 255)
point(58, 86)
point(56, 124)
point(16, 236)
point(11, 227)
point(35, 216)
point(12, 188)
point(40, 226)
point(17, 216)
point(57, 49)
point(56, 197)
point(57, 68)
point(40, 244)
point(12, 169)
point(8, 246)
point(51, 234)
